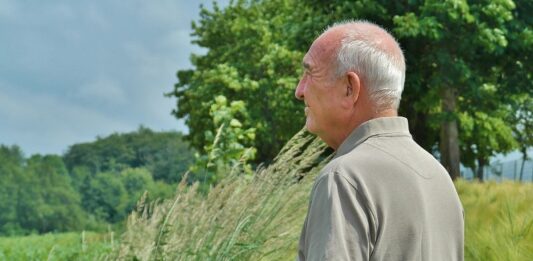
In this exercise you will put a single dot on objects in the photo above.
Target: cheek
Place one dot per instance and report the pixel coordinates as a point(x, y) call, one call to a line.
point(327, 101)
point(332, 107)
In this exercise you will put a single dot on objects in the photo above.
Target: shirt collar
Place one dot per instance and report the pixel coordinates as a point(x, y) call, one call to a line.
point(389, 126)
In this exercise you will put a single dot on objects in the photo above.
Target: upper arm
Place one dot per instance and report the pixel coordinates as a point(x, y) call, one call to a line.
point(338, 224)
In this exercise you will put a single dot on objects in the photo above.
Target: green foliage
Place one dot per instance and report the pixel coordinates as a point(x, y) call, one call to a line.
point(522, 122)
point(65, 246)
point(112, 196)
point(164, 154)
point(228, 148)
point(480, 50)
point(51, 204)
point(40, 194)
point(474, 66)
point(248, 61)
point(36, 195)
point(112, 173)
point(138, 181)
point(487, 134)
point(106, 197)
point(11, 160)
point(261, 218)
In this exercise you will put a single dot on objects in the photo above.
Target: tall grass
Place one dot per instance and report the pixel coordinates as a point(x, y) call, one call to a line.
point(257, 218)
point(260, 218)
point(499, 220)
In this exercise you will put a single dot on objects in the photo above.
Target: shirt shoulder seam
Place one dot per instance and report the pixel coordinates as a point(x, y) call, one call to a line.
point(365, 203)
point(396, 158)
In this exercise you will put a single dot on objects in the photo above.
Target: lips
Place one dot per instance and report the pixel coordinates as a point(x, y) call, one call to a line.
point(306, 110)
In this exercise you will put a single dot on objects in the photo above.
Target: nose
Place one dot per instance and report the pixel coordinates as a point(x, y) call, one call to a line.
point(299, 93)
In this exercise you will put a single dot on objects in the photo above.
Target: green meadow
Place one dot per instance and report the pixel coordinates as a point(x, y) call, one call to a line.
point(259, 217)
point(499, 226)
point(61, 246)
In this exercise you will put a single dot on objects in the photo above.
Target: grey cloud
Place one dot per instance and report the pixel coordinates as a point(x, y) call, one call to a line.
point(104, 90)
point(45, 124)
point(87, 68)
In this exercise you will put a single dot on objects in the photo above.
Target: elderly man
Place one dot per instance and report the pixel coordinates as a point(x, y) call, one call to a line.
point(382, 197)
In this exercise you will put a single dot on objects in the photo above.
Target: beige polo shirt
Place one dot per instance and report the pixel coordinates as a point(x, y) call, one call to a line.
point(383, 197)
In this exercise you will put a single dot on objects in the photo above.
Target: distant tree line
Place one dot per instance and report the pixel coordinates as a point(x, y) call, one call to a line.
point(91, 185)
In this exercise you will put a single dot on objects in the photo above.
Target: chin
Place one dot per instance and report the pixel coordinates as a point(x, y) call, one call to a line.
point(310, 128)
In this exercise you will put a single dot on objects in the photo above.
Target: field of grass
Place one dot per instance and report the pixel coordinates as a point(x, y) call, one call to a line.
point(240, 218)
point(260, 218)
point(62, 246)
point(499, 220)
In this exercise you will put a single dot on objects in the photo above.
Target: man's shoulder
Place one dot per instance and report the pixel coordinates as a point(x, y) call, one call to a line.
point(379, 158)
point(359, 157)
point(350, 164)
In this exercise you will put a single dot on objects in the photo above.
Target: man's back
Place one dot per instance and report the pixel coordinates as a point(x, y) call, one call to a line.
point(388, 200)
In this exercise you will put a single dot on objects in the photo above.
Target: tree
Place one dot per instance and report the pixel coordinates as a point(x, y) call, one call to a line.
point(516, 77)
point(11, 162)
point(136, 182)
point(47, 201)
point(457, 53)
point(165, 154)
point(522, 119)
point(36, 194)
point(459, 71)
point(226, 152)
point(110, 197)
point(106, 198)
point(39, 195)
point(248, 62)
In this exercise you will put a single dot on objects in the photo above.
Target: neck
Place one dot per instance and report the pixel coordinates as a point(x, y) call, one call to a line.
point(356, 121)
point(386, 113)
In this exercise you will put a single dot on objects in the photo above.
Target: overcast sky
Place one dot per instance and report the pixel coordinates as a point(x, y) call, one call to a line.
point(72, 70)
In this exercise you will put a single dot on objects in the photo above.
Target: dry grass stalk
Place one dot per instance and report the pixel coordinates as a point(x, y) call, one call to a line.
point(241, 218)
point(260, 218)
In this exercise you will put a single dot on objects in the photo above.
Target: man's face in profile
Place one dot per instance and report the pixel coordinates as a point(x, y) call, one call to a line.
point(319, 88)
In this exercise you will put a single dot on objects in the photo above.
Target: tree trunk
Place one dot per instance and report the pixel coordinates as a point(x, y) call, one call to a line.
point(449, 135)
point(524, 158)
point(480, 167)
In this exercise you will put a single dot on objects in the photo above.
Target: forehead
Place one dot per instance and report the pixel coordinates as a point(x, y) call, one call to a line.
point(322, 51)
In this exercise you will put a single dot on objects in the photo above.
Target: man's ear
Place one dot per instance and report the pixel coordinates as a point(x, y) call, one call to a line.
point(353, 87)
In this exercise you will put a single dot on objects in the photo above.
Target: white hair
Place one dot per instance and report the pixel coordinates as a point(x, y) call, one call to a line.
point(382, 71)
